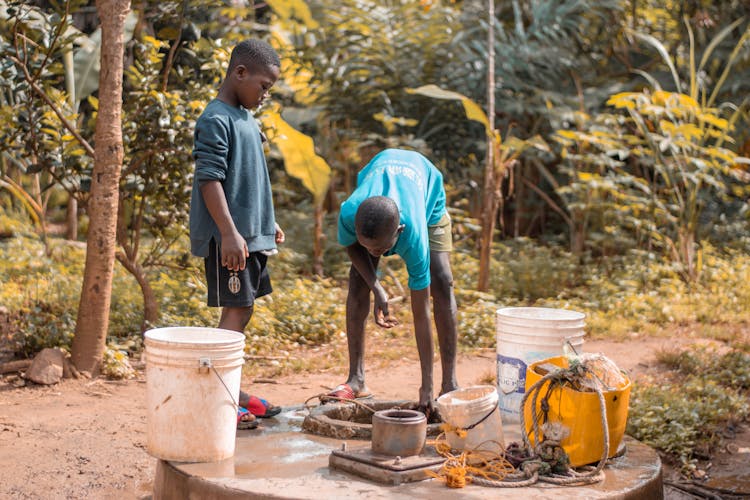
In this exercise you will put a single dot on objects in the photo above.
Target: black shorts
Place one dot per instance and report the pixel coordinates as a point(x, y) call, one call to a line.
point(236, 288)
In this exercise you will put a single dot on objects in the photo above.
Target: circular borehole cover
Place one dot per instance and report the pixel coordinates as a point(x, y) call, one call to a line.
point(354, 420)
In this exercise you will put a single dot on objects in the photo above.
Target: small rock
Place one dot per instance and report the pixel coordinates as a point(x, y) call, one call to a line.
point(732, 448)
point(47, 367)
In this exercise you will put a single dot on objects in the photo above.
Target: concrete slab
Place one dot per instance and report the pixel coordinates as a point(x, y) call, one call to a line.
point(280, 461)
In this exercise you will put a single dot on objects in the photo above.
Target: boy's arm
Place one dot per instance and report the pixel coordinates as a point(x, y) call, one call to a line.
point(363, 264)
point(233, 246)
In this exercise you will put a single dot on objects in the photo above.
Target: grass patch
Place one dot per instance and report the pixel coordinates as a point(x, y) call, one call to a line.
point(685, 419)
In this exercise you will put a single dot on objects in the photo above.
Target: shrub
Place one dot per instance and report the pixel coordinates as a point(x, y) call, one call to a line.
point(685, 419)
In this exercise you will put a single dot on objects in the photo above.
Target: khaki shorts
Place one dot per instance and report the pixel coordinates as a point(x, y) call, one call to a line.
point(441, 235)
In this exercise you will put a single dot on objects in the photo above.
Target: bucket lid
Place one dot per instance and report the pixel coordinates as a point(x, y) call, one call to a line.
point(540, 315)
point(194, 335)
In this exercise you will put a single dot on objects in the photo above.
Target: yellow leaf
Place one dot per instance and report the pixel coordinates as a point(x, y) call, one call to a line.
point(689, 131)
point(711, 119)
point(687, 101)
point(722, 154)
point(623, 100)
point(390, 122)
point(193, 105)
point(473, 110)
point(299, 155)
point(668, 127)
point(568, 134)
point(51, 131)
point(661, 97)
point(293, 9)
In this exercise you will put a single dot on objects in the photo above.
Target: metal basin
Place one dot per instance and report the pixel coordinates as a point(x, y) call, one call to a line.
point(398, 432)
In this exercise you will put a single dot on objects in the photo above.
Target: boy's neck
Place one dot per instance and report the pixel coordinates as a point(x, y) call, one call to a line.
point(227, 97)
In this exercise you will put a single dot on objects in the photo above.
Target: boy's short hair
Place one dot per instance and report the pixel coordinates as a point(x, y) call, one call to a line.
point(254, 54)
point(376, 216)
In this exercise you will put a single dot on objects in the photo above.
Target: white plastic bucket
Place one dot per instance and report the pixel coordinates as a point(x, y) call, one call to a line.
point(475, 410)
point(526, 335)
point(192, 382)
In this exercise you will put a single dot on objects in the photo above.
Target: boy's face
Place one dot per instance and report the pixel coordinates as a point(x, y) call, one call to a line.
point(252, 87)
point(378, 246)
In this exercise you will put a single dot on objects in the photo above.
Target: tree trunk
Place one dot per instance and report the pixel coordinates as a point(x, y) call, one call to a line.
point(489, 217)
point(150, 304)
point(318, 240)
point(93, 309)
point(490, 198)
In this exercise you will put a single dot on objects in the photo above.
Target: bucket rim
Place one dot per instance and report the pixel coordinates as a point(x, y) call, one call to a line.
point(540, 314)
point(209, 336)
point(443, 398)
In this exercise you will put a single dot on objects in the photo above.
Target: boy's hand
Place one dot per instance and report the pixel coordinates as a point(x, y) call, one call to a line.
point(380, 310)
point(234, 251)
point(280, 237)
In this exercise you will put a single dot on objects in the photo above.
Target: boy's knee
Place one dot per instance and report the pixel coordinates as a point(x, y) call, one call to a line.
point(441, 278)
point(357, 283)
point(239, 315)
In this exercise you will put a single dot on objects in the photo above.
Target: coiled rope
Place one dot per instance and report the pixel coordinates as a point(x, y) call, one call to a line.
point(543, 459)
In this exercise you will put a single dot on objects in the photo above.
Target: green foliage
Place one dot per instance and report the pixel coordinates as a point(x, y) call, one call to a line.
point(476, 320)
point(308, 312)
point(685, 419)
point(43, 323)
point(653, 170)
point(381, 47)
point(731, 369)
point(530, 271)
point(39, 294)
point(537, 46)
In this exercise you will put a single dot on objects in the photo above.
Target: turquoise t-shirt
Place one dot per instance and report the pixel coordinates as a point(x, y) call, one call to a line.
point(416, 185)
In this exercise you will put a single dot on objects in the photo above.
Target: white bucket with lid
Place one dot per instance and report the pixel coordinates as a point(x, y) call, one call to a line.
point(192, 383)
point(526, 335)
point(475, 410)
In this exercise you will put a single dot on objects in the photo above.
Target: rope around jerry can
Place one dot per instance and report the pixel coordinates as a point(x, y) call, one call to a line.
point(544, 461)
point(560, 377)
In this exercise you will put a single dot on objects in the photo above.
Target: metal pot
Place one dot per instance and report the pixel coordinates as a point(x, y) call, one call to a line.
point(398, 432)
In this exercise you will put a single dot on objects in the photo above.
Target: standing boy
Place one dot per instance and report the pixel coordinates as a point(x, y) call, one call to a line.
point(398, 207)
point(232, 222)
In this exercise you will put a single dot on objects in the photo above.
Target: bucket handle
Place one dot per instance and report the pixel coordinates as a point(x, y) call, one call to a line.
point(567, 343)
point(206, 363)
point(494, 407)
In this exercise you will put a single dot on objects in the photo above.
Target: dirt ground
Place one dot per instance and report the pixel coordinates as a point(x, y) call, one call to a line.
point(87, 438)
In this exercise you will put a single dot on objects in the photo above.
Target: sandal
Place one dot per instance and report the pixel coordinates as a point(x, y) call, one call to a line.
point(245, 419)
point(262, 408)
point(344, 392)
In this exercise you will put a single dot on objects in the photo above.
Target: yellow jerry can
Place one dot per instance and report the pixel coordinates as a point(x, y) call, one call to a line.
point(580, 412)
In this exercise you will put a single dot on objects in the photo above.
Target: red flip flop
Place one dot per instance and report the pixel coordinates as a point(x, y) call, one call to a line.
point(262, 408)
point(344, 392)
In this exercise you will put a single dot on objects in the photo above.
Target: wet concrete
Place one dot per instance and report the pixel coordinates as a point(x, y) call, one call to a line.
point(281, 461)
